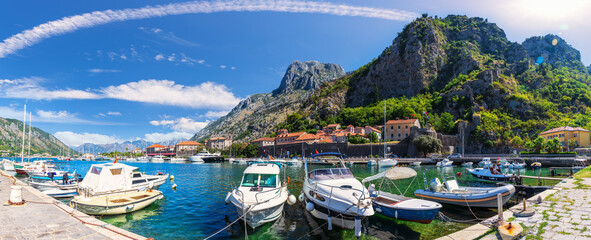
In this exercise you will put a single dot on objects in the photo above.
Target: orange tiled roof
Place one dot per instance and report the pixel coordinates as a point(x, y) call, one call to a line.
point(332, 125)
point(189, 143)
point(402, 121)
point(566, 128)
point(373, 129)
point(156, 146)
point(296, 134)
point(264, 139)
point(218, 138)
point(306, 137)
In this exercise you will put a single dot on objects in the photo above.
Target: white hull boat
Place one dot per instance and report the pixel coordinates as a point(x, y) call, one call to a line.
point(115, 203)
point(445, 163)
point(61, 193)
point(467, 164)
point(178, 160)
point(157, 159)
point(387, 162)
point(261, 195)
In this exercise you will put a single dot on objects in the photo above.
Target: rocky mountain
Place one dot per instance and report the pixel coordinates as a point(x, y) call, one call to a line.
point(258, 115)
point(119, 147)
point(11, 133)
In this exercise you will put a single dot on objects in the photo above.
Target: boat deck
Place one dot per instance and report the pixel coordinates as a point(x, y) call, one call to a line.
point(40, 218)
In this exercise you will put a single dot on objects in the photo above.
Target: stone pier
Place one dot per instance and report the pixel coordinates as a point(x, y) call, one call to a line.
point(42, 217)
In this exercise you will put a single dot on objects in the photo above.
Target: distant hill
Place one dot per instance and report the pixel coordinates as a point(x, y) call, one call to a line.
point(11, 132)
point(259, 114)
point(120, 147)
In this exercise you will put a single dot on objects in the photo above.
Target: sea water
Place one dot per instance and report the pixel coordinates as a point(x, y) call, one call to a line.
point(196, 209)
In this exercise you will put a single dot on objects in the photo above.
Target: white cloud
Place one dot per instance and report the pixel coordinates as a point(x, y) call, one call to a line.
point(165, 92)
point(201, 61)
point(123, 57)
point(233, 68)
point(205, 95)
point(98, 70)
point(54, 114)
point(222, 66)
point(171, 58)
point(77, 139)
point(162, 137)
point(114, 113)
point(214, 114)
point(159, 57)
point(87, 20)
point(156, 30)
point(62, 117)
point(182, 124)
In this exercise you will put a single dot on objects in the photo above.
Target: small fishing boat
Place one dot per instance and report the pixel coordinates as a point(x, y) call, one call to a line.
point(398, 206)
point(387, 162)
point(451, 193)
point(335, 195)
point(157, 159)
point(8, 165)
point(261, 194)
point(371, 162)
point(108, 177)
point(503, 163)
point(518, 165)
point(416, 164)
point(293, 162)
point(61, 193)
point(178, 160)
point(536, 165)
point(467, 164)
point(492, 173)
point(117, 203)
point(445, 163)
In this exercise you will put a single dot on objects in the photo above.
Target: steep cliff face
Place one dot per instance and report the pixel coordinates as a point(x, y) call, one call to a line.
point(258, 115)
point(555, 51)
point(11, 133)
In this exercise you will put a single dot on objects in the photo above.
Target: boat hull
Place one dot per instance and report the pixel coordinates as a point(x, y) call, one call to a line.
point(57, 193)
point(341, 220)
point(87, 206)
point(407, 209)
point(485, 199)
point(257, 218)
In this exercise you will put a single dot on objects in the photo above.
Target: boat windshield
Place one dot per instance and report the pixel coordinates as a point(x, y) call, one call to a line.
point(331, 173)
point(259, 180)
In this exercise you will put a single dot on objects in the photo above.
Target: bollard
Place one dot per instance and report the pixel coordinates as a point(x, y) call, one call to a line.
point(16, 195)
point(500, 206)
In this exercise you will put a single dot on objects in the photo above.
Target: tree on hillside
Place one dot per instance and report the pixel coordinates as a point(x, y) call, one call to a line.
point(538, 144)
point(553, 146)
point(445, 123)
point(427, 144)
point(572, 144)
point(251, 150)
point(517, 141)
point(373, 137)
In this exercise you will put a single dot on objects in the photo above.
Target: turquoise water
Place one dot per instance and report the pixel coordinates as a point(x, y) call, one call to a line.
point(197, 209)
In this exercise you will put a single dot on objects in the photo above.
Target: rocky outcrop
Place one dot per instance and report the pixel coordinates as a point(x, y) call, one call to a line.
point(41, 142)
point(258, 115)
point(555, 51)
point(308, 76)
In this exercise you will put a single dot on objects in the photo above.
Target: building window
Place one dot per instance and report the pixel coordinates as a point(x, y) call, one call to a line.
point(391, 135)
point(391, 127)
point(406, 135)
point(574, 135)
point(407, 127)
point(398, 127)
point(399, 135)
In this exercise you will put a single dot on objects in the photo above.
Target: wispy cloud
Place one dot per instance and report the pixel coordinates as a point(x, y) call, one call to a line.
point(98, 70)
point(162, 137)
point(159, 57)
point(77, 139)
point(164, 92)
point(63, 117)
point(169, 36)
point(215, 114)
point(87, 20)
point(182, 124)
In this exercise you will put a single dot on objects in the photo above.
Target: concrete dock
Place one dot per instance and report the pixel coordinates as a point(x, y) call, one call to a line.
point(42, 217)
point(564, 213)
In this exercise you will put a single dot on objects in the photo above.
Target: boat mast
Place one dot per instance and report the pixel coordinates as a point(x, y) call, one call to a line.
point(384, 133)
point(29, 154)
point(24, 124)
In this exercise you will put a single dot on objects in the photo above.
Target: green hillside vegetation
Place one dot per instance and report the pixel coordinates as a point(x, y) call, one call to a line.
point(523, 98)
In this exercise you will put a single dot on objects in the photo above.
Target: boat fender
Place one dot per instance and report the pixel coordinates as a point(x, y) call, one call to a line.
point(291, 200)
point(227, 200)
point(459, 174)
point(357, 227)
point(287, 179)
point(174, 187)
point(310, 206)
point(378, 210)
point(329, 218)
point(171, 177)
point(301, 197)
point(396, 214)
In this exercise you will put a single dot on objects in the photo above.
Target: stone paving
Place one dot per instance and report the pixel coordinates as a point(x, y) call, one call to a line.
point(563, 214)
point(40, 219)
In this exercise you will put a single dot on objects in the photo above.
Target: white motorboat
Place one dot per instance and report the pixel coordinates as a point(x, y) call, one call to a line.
point(387, 162)
point(467, 164)
point(261, 194)
point(178, 160)
point(143, 159)
point(485, 162)
point(293, 162)
point(516, 165)
point(416, 164)
point(61, 193)
point(203, 156)
point(371, 162)
point(115, 177)
point(445, 163)
point(492, 173)
point(335, 195)
point(8, 165)
point(157, 159)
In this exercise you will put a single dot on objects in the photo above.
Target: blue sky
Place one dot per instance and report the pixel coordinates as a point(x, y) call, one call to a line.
point(117, 75)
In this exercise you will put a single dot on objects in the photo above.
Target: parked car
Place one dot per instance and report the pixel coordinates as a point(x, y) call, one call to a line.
point(455, 156)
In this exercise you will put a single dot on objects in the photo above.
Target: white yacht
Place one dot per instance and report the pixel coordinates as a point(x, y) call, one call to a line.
point(157, 159)
point(202, 156)
point(261, 194)
point(445, 163)
point(335, 195)
point(178, 160)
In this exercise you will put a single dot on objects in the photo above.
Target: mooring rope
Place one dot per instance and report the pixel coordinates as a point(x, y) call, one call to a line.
point(226, 227)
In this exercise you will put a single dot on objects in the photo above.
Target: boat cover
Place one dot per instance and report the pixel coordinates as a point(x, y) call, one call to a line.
point(395, 173)
point(108, 177)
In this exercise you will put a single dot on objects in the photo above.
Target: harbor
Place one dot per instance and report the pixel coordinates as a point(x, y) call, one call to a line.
point(202, 187)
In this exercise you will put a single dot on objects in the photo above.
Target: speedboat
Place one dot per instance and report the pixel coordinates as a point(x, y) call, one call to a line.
point(467, 164)
point(114, 177)
point(261, 194)
point(204, 156)
point(143, 159)
point(8, 165)
point(387, 162)
point(178, 160)
point(371, 162)
point(335, 195)
point(35, 166)
point(416, 164)
point(445, 163)
point(398, 206)
point(536, 165)
point(485, 162)
point(516, 165)
point(113, 204)
point(451, 193)
point(157, 159)
point(492, 173)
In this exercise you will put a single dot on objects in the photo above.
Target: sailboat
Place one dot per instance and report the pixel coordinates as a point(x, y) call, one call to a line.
point(335, 195)
point(386, 162)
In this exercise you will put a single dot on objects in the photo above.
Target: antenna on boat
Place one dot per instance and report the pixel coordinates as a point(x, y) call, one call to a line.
point(341, 158)
point(24, 124)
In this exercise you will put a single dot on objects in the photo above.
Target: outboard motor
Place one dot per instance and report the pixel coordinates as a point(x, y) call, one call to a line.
point(435, 185)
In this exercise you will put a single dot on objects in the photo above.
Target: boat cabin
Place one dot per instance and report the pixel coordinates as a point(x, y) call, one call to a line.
point(261, 175)
point(330, 174)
